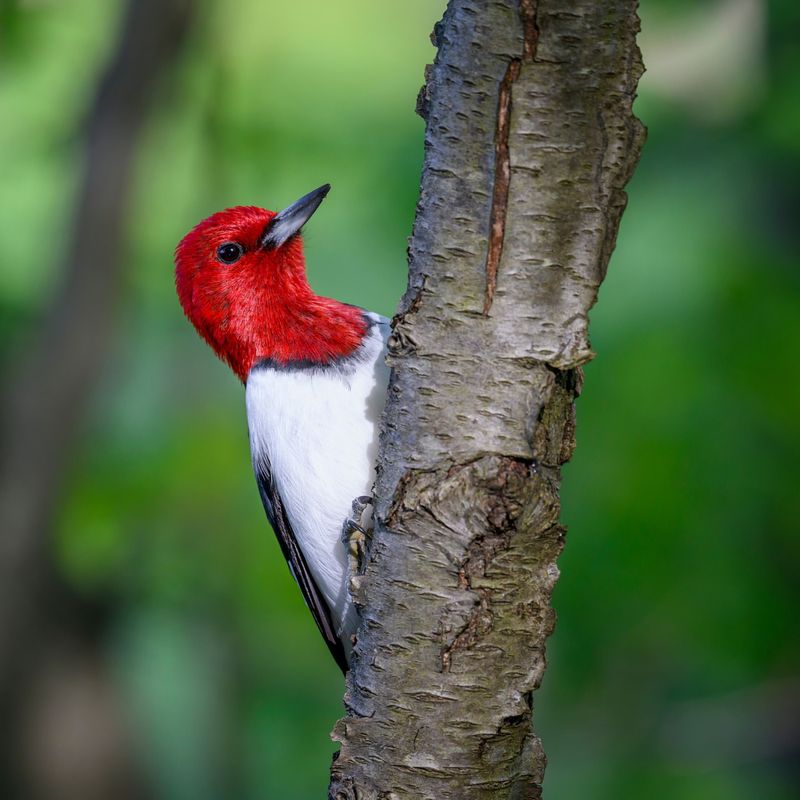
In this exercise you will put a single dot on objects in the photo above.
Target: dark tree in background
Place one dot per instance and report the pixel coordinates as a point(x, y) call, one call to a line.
point(530, 141)
point(61, 728)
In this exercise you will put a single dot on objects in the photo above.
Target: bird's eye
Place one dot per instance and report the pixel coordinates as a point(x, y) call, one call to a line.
point(230, 252)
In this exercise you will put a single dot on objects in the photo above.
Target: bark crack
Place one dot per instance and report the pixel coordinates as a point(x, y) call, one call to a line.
point(501, 507)
point(502, 160)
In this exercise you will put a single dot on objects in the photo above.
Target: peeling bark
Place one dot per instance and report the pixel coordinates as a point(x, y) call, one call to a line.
point(530, 141)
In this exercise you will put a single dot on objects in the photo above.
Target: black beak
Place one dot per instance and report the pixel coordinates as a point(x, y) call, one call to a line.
point(288, 222)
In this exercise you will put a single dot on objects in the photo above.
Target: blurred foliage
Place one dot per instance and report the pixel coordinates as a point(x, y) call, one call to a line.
point(676, 646)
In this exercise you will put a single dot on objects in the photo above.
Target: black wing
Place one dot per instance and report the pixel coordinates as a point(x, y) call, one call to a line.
point(297, 563)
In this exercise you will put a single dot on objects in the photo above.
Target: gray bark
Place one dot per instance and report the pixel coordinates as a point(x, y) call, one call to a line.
point(530, 141)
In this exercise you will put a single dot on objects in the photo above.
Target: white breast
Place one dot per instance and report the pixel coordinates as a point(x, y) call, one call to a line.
point(318, 429)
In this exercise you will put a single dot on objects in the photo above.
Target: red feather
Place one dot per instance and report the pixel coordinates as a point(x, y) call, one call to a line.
point(262, 305)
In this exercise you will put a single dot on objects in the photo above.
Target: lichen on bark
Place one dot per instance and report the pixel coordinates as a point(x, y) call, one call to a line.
point(530, 139)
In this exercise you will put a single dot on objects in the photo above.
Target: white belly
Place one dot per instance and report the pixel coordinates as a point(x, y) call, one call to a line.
point(318, 429)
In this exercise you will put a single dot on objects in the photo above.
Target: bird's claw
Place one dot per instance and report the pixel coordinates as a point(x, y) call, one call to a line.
point(356, 536)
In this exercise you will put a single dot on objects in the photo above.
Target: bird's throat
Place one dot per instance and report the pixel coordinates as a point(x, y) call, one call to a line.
point(318, 331)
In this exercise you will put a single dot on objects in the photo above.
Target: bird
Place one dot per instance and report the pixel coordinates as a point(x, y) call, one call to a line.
point(315, 380)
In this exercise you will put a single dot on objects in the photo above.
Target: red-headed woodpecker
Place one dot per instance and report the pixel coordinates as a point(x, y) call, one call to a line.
point(315, 383)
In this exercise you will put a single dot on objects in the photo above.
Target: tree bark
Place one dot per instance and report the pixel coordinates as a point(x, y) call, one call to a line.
point(530, 140)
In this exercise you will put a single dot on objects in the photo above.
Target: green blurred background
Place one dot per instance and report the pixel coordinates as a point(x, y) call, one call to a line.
point(673, 669)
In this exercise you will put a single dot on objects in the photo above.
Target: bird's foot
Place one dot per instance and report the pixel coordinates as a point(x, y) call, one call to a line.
point(356, 533)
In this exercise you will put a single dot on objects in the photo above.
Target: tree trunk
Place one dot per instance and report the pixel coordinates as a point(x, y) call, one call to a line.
point(530, 140)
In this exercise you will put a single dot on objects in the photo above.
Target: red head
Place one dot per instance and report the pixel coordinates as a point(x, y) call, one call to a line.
point(241, 280)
